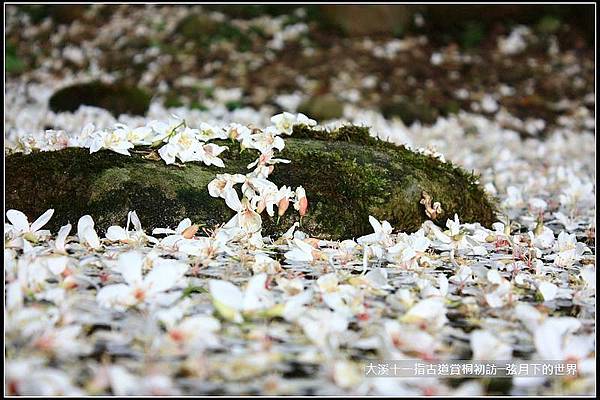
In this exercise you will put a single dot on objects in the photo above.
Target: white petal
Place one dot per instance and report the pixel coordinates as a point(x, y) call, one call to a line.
point(62, 236)
point(232, 200)
point(42, 220)
point(18, 220)
point(116, 234)
point(91, 237)
point(118, 296)
point(83, 223)
point(135, 221)
point(164, 275)
point(130, 267)
point(226, 293)
point(548, 290)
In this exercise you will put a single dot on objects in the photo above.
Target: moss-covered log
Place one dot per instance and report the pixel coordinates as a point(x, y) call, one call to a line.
point(347, 176)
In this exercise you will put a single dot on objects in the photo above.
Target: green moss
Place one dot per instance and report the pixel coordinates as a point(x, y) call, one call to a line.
point(12, 63)
point(116, 98)
point(347, 176)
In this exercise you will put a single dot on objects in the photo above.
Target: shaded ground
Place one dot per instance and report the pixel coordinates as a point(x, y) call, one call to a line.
point(417, 75)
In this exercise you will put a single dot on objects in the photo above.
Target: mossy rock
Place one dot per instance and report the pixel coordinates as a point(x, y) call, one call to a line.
point(410, 112)
point(347, 176)
point(197, 27)
point(323, 107)
point(116, 98)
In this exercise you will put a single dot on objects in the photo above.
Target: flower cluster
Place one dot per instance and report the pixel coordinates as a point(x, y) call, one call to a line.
point(258, 193)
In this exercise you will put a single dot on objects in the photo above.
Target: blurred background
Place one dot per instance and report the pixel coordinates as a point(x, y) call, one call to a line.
point(411, 62)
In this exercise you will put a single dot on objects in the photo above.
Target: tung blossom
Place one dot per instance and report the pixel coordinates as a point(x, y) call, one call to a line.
point(139, 289)
point(19, 225)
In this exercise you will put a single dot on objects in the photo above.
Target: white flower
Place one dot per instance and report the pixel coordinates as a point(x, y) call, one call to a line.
point(141, 135)
point(181, 227)
point(347, 374)
point(486, 346)
point(300, 252)
point(323, 327)
point(19, 224)
point(139, 289)
point(514, 197)
point(239, 132)
point(409, 248)
point(223, 183)
point(231, 302)
point(430, 312)
point(515, 42)
point(542, 238)
point(137, 236)
point(115, 140)
point(266, 140)
point(185, 145)
point(209, 153)
point(284, 122)
point(547, 290)
point(86, 233)
point(554, 339)
point(264, 263)
point(196, 332)
point(165, 129)
point(452, 238)
point(577, 192)
point(246, 218)
point(381, 234)
point(209, 132)
point(568, 250)
point(302, 119)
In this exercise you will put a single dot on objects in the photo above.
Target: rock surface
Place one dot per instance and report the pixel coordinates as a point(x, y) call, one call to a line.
point(347, 176)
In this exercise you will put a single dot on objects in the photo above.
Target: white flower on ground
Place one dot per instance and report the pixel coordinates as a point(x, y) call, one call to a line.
point(264, 263)
point(239, 132)
point(548, 290)
point(195, 332)
point(184, 145)
point(61, 237)
point(409, 248)
point(323, 327)
point(139, 289)
point(381, 233)
point(246, 218)
point(555, 340)
point(232, 303)
point(542, 237)
point(86, 233)
point(19, 225)
point(453, 238)
point(486, 346)
point(112, 140)
point(568, 249)
point(209, 154)
point(223, 183)
point(164, 129)
point(284, 122)
point(137, 236)
point(300, 251)
point(347, 374)
point(265, 140)
point(141, 135)
point(408, 338)
point(209, 132)
point(429, 313)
